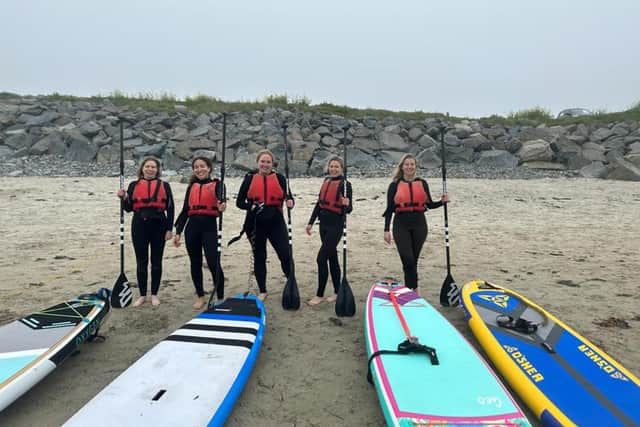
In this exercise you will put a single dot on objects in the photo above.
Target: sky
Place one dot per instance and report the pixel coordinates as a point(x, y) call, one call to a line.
point(470, 58)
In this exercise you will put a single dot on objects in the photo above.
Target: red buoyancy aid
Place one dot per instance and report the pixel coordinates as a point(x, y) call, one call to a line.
point(329, 197)
point(410, 197)
point(149, 194)
point(203, 199)
point(266, 189)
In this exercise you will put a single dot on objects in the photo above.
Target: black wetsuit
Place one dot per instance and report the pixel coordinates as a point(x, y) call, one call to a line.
point(201, 232)
point(148, 229)
point(409, 232)
point(265, 223)
point(331, 228)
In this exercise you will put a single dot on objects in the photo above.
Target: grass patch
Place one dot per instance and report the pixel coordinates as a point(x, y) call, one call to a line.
point(201, 103)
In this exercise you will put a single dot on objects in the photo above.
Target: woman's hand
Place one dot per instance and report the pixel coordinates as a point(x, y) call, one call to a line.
point(121, 193)
point(444, 198)
point(176, 240)
point(308, 229)
point(345, 201)
point(168, 235)
point(222, 206)
point(387, 237)
point(290, 203)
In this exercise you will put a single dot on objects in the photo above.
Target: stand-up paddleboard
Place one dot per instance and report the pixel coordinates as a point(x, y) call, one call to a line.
point(439, 380)
point(32, 347)
point(565, 379)
point(191, 378)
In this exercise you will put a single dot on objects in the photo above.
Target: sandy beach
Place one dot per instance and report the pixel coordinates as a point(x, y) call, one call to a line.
point(571, 245)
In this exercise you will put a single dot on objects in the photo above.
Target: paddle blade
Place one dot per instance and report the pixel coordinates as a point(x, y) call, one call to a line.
point(449, 293)
point(345, 303)
point(290, 294)
point(121, 295)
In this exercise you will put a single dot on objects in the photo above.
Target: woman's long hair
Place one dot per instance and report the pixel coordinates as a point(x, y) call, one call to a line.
point(397, 172)
point(334, 159)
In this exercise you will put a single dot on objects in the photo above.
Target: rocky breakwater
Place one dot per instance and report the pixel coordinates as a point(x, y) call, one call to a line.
point(82, 138)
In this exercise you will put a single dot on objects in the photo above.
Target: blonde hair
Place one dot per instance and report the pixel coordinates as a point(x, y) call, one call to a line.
point(149, 159)
point(397, 172)
point(334, 159)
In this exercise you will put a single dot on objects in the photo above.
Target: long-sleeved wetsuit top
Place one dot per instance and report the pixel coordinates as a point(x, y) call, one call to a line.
point(152, 213)
point(391, 206)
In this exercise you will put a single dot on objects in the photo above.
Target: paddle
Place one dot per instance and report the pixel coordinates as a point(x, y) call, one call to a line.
point(121, 295)
point(345, 303)
point(290, 294)
point(449, 293)
point(219, 276)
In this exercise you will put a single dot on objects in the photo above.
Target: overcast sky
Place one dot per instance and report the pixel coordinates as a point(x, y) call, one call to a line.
point(467, 57)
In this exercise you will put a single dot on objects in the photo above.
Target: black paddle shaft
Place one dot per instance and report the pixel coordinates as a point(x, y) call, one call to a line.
point(444, 190)
point(288, 189)
point(344, 208)
point(122, 198)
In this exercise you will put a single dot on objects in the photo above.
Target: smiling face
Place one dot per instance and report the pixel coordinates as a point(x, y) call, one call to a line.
point(409, 168)
point(201, 169)
point(150, 169)
point(265, 164)
point(335, 168)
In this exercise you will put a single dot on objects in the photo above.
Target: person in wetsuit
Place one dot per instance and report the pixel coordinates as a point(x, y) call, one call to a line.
point(262, 194)
point(203, 202)
point(332, 206)
point(408, 197)
point(151, 201)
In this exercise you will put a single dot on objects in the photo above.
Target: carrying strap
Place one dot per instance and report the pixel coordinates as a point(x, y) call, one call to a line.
point(405, 347)
point(521, 325)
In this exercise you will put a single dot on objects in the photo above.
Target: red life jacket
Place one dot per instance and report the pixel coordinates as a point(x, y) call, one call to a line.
point(329, 197)
point(203, 199)
point(149, 194)
point(266, 189)
point(410, 197)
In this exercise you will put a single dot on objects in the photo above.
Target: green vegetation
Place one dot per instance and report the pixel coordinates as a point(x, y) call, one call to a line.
point(201, 103)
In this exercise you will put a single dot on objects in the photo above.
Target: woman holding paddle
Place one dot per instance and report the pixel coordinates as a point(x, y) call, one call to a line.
point(333, 204)
point(408, 197)
point(151, 201)
point(262, 194)
point(203, 203)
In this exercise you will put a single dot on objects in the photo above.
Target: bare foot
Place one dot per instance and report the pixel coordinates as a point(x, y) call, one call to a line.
point(199, 304)
point(332, 298)
point(315, 300)
point(262, 296)
point(155, 301)
point(139, 302)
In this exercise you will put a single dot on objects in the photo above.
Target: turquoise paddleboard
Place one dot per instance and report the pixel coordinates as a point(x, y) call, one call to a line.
point(449, 385)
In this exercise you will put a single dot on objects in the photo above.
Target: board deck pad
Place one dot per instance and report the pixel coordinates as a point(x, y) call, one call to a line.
point(33, 346)
point(565, 379)
point(193, 377)
point(461, 390)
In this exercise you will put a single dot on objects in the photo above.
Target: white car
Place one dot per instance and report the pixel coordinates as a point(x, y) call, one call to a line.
point(574, 112)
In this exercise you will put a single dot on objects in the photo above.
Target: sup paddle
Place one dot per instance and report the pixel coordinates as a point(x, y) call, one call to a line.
point(121, 295)
point(450, 292)
point(219, 276)
point(345, 303)
point(290, 294)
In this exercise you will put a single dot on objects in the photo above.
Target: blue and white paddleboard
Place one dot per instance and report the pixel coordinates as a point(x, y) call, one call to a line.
point(191, 378)
point(459, 389)
point(32, 347)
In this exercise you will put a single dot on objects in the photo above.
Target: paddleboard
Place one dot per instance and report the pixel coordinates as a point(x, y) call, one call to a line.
point(33, 346)
point(191, 378)
point(460, 390)
point(564, 378)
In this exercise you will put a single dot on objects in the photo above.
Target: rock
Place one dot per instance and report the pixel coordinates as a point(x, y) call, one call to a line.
point(500, 159)
point(537, 150)
point(625, 171)
point(392, 141)
point(594, 170)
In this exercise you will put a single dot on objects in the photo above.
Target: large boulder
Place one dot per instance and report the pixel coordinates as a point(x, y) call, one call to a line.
point(500, 159)
point(537, 150)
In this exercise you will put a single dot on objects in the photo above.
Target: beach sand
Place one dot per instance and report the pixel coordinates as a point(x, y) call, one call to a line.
point(570, 245)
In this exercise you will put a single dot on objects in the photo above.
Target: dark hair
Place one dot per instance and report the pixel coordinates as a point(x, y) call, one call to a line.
point(149, 159)
point(207, 160)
